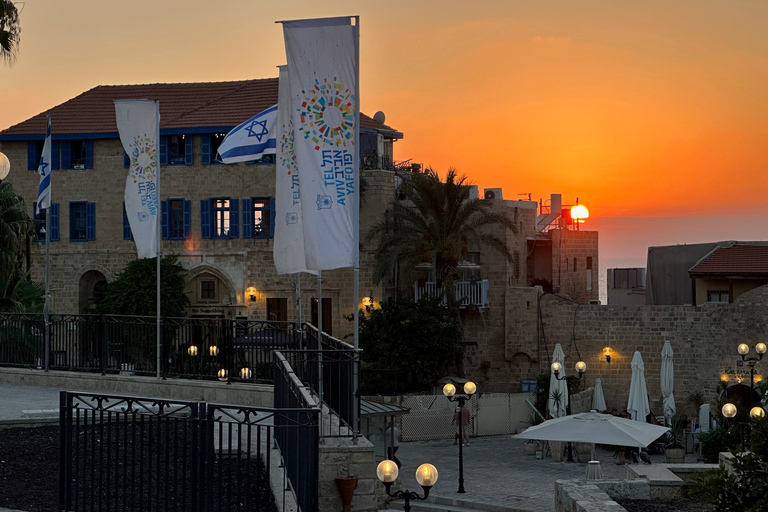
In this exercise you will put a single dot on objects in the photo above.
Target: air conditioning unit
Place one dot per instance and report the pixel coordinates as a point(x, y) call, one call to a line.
point(492, 193)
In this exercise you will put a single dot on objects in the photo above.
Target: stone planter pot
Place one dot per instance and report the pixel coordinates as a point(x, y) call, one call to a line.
point(557, 448)
point(675, 455)
point(346, 487)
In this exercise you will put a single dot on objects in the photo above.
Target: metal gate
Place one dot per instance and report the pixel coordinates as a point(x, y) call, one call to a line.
point(125, 453)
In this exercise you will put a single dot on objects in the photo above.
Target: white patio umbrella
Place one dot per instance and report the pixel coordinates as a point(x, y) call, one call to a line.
point(638, 406)
point(668, 382)
point(598, 399)
point(558, 387)
point(593, 427)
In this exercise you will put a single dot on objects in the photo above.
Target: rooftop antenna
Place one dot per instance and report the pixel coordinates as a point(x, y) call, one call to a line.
point(525, 194)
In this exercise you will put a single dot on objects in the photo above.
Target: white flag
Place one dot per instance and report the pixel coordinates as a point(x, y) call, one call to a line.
point(288, 247)
point(44, 169)
point(322, 70)
point(138, 122)
point(252, 139)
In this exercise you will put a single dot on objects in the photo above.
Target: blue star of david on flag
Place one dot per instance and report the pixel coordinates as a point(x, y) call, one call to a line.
point(44, 189)
point(252, 139)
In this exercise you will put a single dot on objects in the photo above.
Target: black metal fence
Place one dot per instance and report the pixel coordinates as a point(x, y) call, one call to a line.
point(126, 453)
point(191, 347)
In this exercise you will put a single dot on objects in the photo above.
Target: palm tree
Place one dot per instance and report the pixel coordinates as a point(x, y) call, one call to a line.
point(10, 31)
point(15, 227)
point(19, 295)
point(435, 224)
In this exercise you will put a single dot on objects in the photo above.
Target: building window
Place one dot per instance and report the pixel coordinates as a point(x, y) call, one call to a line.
point(516, 262)
point(35, 152)
point(327, 314)
point(176, 150)
point(472, 274)
point(574, 264)
point(589, 262)
point(82, 221)
point(219, 217)
point(259, 217)
point(717, 296)
point(207, 290)
point(40, 222)
point(76, 154)
point(176, 219)
point(277, 309)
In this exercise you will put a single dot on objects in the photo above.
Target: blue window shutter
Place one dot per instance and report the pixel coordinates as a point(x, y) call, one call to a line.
point(272, 217)
point(54, 222)
point(89, 154)
point(66, 149)
point(247, 218)
point(234, 217)
point(188, 150)
point(163, 150)
point(127, 235)
point(205, 149)
point(164, 209)
point(31, 156)
point(54, 155)
point(126, 160)
point(90, 221)
point(205, 218)
point(187, 218)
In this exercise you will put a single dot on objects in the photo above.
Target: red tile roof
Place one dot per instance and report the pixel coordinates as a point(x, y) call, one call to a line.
point(183, 105)
point(737, 259)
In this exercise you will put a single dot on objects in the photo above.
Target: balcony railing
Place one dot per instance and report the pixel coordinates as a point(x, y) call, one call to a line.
point(468, 293)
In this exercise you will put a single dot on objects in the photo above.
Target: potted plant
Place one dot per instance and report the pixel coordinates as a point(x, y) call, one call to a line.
point(674, 449)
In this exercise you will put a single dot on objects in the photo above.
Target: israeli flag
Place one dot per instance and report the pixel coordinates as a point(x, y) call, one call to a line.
point(44, 169)
point(252, 139)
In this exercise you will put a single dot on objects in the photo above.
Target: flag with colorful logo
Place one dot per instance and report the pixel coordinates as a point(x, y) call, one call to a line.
point(138, 122)
point(322, 59)
point(288, 247)
point(44, 169)
point(252, 139)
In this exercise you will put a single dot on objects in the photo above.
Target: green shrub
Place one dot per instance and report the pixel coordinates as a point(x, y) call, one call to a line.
point(716, 441)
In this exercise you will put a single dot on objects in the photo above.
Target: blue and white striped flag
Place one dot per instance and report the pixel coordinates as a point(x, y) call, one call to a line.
point(252, 139)
point(44, 169)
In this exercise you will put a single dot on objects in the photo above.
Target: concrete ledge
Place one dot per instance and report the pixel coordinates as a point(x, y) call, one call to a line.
point(256, 395)
point(666, 480)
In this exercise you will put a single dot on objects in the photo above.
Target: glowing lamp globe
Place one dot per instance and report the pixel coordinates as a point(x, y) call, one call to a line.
point(579, 213)
point(213, 350)
point(556, 367)
point(449, 389)
point(426, 475)
point(470, 388)
point(192, 350)
point(757, 413)
point(760, 348)
point(222, 375)
point(245, 373)
point(729, 410)
point(581, 367)
point(743, 349)
point(5, 166)
point(387, 471)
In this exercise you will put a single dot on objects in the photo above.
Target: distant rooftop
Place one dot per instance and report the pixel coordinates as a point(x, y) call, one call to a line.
point(221, 105)
point(736, 258)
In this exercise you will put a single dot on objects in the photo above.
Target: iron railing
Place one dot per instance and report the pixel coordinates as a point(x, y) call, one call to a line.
point(191, 347)
point(127, 453)
point(468, 293)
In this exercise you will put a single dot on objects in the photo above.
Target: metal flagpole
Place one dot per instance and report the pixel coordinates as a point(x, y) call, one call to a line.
point(320, 344)
point(48, 284)
point(356, 243)
point(159, 251)
point(298, 301)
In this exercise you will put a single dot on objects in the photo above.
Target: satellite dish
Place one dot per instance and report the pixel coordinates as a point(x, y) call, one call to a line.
point(5, 166)
point(379, 117)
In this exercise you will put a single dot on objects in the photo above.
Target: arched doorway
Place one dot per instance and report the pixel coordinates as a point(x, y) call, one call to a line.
point(210, 295)
point(92, 284)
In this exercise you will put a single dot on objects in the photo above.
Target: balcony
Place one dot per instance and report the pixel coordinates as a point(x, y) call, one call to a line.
point(468, 293)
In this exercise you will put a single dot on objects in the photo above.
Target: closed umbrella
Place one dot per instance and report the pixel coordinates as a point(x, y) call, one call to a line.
point(638, 406)
point(668, 382)
point(557, 388)
point(593, 427)
point(598, 400)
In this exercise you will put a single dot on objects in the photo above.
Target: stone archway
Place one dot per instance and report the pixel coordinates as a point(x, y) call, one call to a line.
point(90, 284)
point(211, 293)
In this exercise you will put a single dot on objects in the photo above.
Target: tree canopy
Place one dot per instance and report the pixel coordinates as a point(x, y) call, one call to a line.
point(435, 223)
point(134, 292)
point(10, 31)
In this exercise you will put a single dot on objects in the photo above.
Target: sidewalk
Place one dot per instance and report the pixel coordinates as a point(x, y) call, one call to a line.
point(25, 404)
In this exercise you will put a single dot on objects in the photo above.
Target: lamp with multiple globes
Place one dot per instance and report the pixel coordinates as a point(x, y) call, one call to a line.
point(743, 350)
point(729, 410)
point(426, 476)
point(449, 390)
point(581, 368)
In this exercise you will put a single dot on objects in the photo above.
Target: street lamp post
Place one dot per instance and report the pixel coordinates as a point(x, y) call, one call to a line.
point(756, 413)
point(426, 476)
point(581, 367)
point(449, 390)
point(743, 350)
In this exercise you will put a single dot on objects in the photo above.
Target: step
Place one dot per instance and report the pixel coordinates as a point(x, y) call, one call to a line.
point(440, 504)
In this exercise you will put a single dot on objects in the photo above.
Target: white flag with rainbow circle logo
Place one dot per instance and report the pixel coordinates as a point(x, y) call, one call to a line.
point(138, 122)
point(322, 59)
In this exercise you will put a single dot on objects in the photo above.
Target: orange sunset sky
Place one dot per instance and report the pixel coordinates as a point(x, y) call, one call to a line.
point(652, 113)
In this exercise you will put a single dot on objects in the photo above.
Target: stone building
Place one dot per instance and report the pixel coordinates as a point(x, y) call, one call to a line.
point(218, 219)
